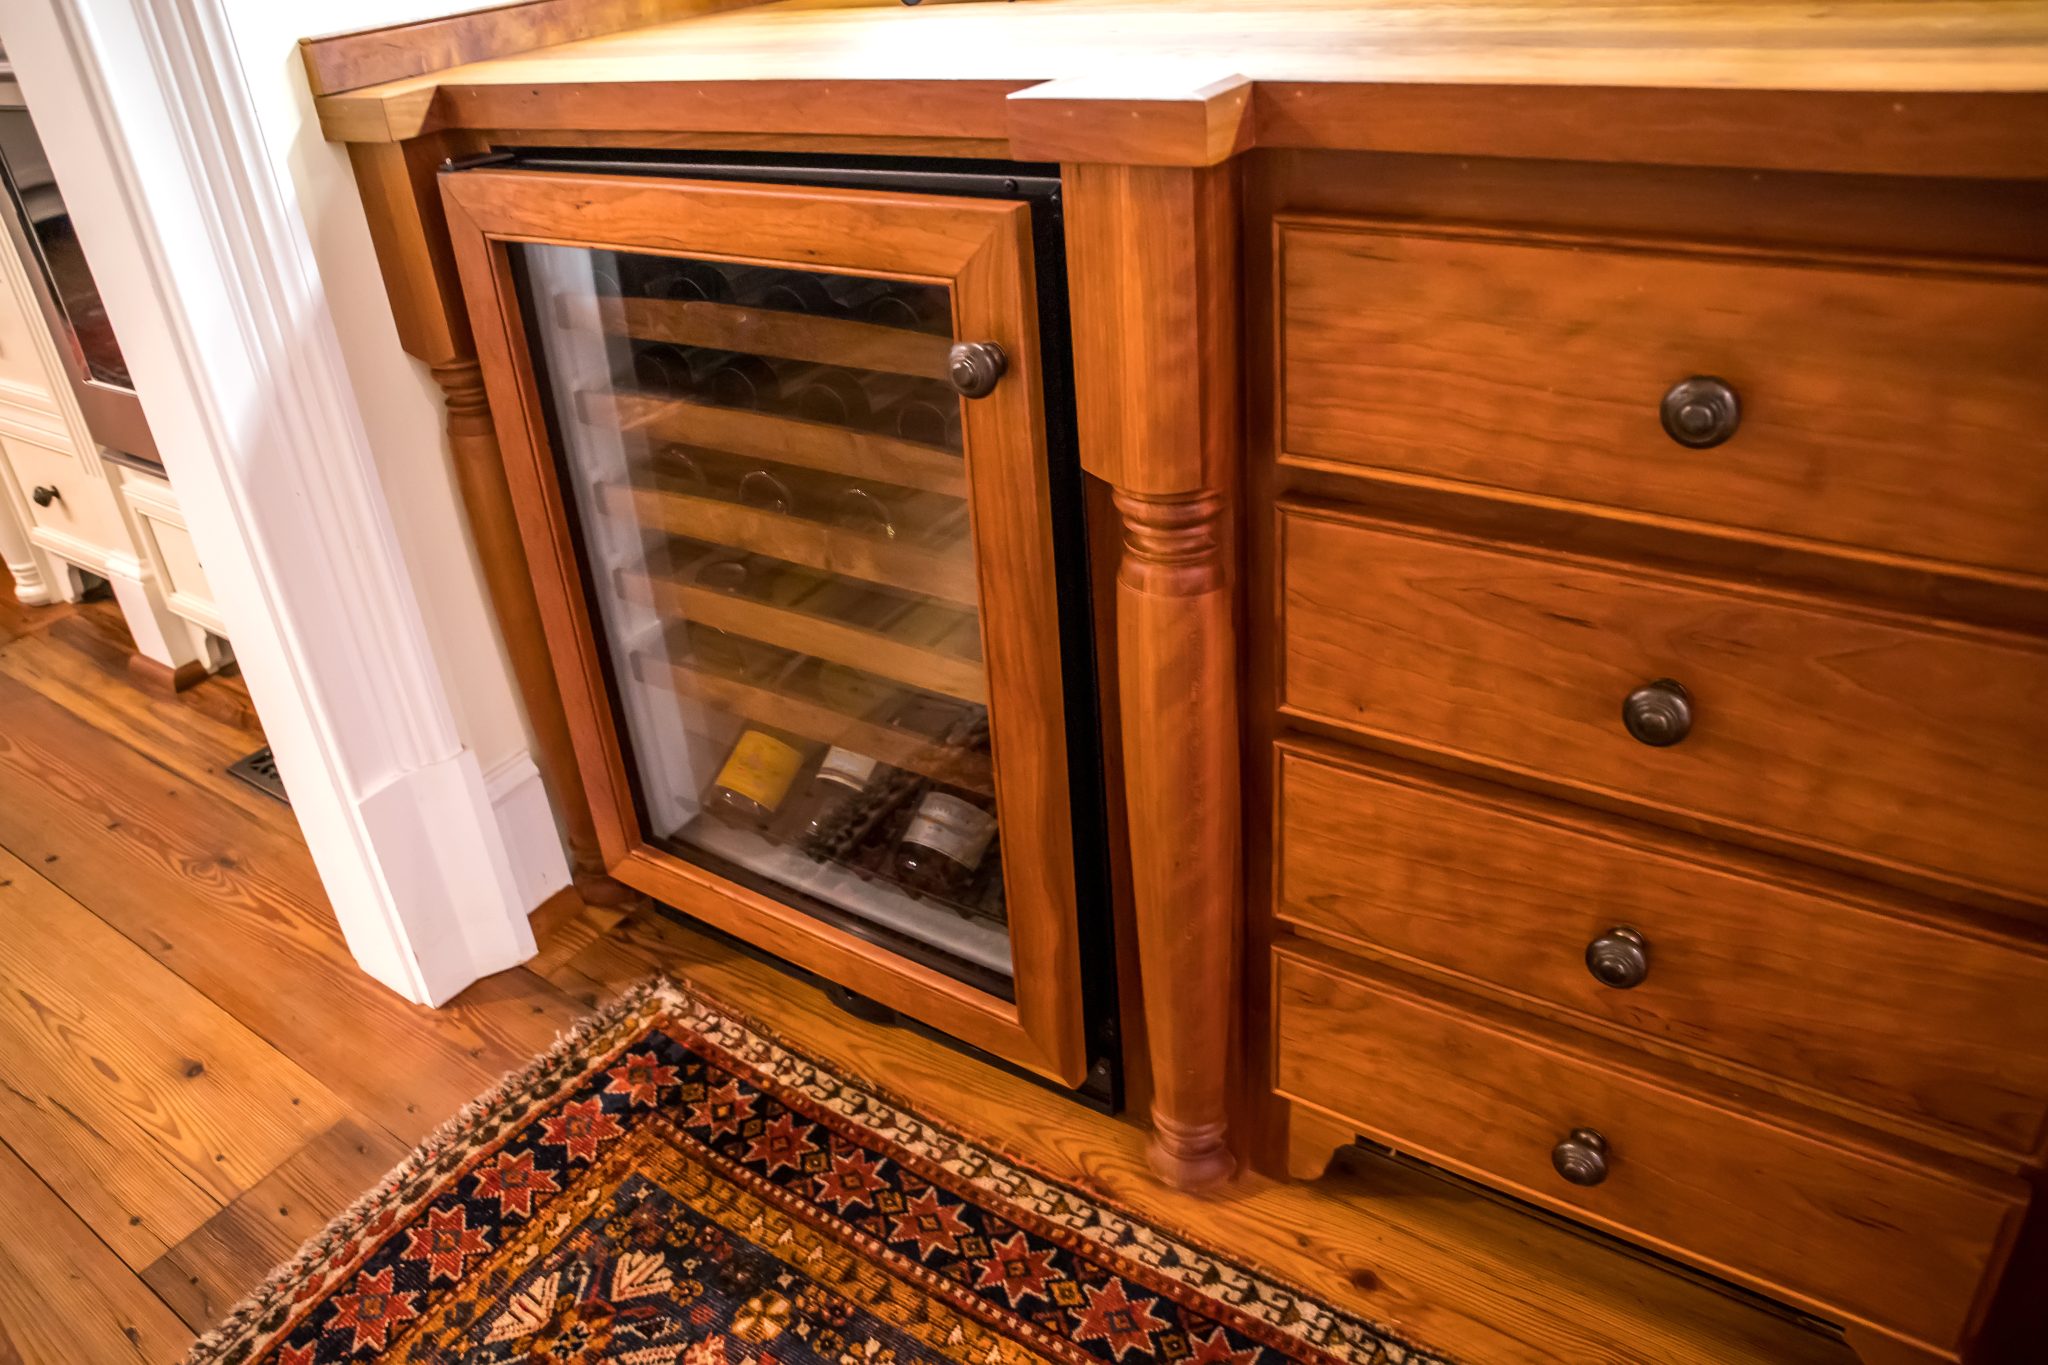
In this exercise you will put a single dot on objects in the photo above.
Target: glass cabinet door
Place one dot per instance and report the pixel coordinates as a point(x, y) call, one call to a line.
point(767, 471)
point(805, 568)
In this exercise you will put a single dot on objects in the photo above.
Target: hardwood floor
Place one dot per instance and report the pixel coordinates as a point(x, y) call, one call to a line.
point(194, 1077)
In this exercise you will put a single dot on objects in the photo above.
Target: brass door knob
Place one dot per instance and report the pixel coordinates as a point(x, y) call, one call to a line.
point(1619, 958)
point(1701, 411)
point(1658, 713)
point(975, 366)
point(1581, 1157)
point(45, 494)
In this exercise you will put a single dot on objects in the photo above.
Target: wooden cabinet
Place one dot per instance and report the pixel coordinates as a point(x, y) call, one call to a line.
point(1654, 668)
point(1567, 502)
point(794, 554)
point(1721, 1176)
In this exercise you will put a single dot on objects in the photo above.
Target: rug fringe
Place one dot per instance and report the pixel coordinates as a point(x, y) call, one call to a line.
point(651, 996)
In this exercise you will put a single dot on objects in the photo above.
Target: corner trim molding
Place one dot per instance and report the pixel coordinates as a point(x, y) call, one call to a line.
point(240, 366)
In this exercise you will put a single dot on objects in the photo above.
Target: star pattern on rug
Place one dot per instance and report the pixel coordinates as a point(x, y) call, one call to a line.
point(447, 1243)
point(513, 1181)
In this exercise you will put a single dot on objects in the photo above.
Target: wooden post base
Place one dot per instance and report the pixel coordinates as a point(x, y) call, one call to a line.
point(595, 888)
point(161, 677)
point(1189, 1156)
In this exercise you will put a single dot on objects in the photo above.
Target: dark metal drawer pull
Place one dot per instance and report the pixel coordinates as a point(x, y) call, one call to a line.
point(1701, 411)
point(1582, 1157)
point(1619, 958)
point(1658, 713)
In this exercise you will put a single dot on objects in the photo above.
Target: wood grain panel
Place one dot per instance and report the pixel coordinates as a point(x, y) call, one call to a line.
point(64, 1297)
point(761, 331)
point(1885, 405)
point(885, 651)
point(209, 1272)
point(343, 61)
point(1933, 88)
point(946, 573)
point(1824, 984)
point(1715, 1177)
point(142, 1102)
point(143, 844)
point(1854, 734)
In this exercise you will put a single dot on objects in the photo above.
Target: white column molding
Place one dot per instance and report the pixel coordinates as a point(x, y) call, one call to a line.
point(32, 580)
point(209, 276)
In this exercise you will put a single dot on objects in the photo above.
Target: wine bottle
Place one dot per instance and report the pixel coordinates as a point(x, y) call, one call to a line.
point(833, 798)
point(856, 509)
point(733, 574)
point(759, 488)
point(943, 847)
point(663, 369)
point(794, 291)
point(825, 393)
point(755, 780)
point(742, 381)
point(686, 281)
point(916, 308)
point(927, 418)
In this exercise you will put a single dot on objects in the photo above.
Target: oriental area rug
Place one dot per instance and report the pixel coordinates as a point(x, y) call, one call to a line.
point(671, 1185)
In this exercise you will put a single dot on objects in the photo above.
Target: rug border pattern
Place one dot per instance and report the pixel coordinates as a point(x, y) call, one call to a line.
point(1283, 1307)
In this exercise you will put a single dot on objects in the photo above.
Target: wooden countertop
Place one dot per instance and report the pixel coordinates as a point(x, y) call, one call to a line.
point(1191, 81)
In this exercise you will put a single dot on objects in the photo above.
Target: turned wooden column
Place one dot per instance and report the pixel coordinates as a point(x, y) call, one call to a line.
point(1152, 258)
point(403, 203)
point(1177, 672)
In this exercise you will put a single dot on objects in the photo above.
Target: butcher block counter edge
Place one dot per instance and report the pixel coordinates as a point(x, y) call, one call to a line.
point(1908, 89)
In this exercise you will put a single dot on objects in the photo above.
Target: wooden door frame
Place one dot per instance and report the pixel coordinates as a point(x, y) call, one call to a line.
point(979, 249)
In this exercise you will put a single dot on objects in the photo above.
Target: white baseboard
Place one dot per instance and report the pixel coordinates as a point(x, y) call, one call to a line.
point(540, 866)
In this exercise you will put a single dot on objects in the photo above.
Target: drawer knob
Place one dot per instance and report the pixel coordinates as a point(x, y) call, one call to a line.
point(45, 494)
point(1619, 958)
point(1658, 713)
point(1582, 1157)
point(1701, 411)
point(975, 366)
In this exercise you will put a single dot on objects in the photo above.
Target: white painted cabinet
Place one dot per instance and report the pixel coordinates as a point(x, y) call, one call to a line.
point(68, 510)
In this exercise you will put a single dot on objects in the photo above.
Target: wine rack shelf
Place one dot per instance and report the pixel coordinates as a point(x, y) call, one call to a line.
point(760, 331)
point(786, 440)
point(944, 574)
point(888, 652)
point(814, 719)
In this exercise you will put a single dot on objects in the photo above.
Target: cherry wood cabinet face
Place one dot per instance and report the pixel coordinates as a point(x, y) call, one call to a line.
point(799, 592)
point(1718, 1179)
point(1905, 747)
point(1879, 405)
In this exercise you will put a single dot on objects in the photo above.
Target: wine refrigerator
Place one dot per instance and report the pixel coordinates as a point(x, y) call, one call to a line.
point(791, 444)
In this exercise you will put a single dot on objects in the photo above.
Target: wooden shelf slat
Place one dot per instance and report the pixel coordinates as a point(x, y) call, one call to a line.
point(966, 769)
point(882, 652)
point(945, 574)
point(761, 331)
point(786, 440)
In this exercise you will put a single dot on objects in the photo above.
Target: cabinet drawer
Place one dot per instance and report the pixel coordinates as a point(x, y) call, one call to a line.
point(84, 508)
point(1822, 1217)
point(1887, 406)
point(1909, 746)
point(1808, 983)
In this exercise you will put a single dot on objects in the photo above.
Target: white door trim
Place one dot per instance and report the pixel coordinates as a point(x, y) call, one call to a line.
point(210, 279)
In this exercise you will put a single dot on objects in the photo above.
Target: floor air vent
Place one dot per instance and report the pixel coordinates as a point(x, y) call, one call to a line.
point(259, 770)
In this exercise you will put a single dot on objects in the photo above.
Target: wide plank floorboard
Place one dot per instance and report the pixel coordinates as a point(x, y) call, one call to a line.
point(210, 1271)
point(65, 1298)
point(139, 1100)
